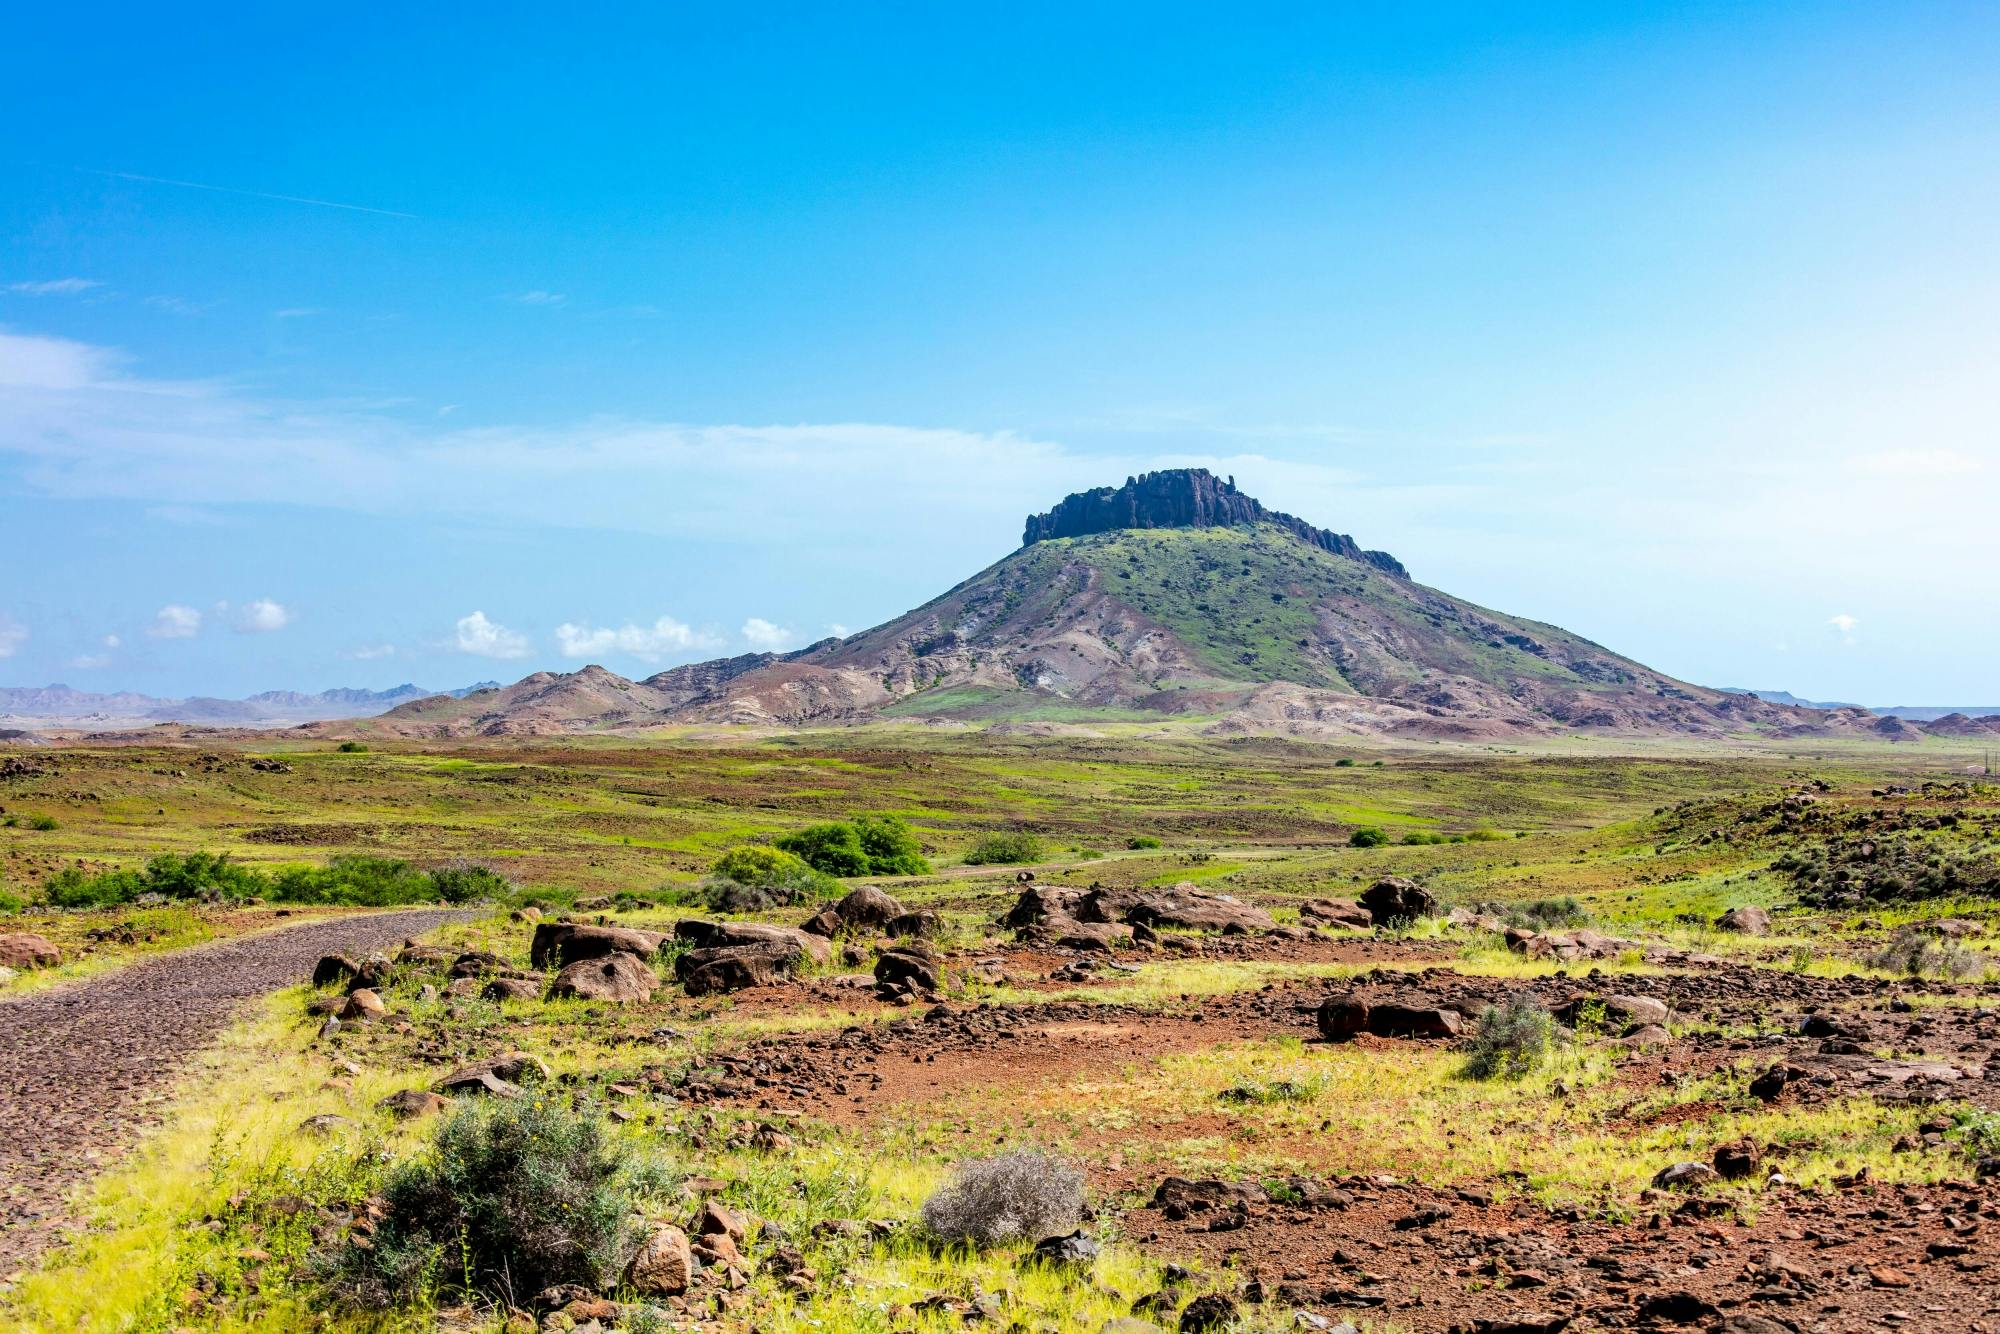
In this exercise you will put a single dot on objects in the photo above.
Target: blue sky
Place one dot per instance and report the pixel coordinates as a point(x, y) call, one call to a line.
point(345, 348)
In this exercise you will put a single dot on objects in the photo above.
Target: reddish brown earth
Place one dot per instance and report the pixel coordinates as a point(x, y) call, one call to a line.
point(1866, 1257)
point(82, 1065)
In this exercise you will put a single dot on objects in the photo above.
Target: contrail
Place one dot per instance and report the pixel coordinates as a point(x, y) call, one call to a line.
point(254, 194)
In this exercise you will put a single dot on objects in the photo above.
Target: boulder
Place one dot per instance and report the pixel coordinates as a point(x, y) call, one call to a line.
point(1107, 905)
point(500, 1075)
point(334, 970)
point(718, 1219)
point(481, 963)
point(363, 1004)
point(1075, 1251)
point(1208, 1312)
point(867, 909)
point(24, 949)
point(1101, 936)
point(825, 922)
point(1199, 1195)
point(1349, 1014)
point(1622, 1014)
point(1335, 912)
point(725, 935)
point(907, 967)
point(733, 967)
point(663, 1265)
point(1746, 921)
point(1188, 909)
point(920, 925)
point(557, 944)
point(409, 1104)
point(1394, 899)
point(1038, 904)
point(617, 977)
point(1685, 1176)
point(511, 989)
point(1736, 1160)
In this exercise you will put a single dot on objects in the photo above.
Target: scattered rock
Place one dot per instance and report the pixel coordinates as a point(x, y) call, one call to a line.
point(1748, 921)
point(513, 989)
point(1685, 1176)
point(409, 1104)
point(1073, 1251)
point(557, 944)
point(363, 1004)
point(335, 970)
point(500, 1075)
point(618, 977)
point(1394, 899)
point(1336, 912)
point(664, 1264)
point(1210, 1311)
point(1737, 1160)
point(24, 949)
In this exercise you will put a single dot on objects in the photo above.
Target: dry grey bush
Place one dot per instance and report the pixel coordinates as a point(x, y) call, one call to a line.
point(1019, 1196)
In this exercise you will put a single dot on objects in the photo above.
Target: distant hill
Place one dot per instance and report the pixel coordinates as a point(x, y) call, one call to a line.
point(1916, 713)
point(1174, 596)
point(62, 704)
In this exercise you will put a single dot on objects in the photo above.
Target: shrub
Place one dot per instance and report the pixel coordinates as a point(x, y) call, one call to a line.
point(357, 881)
point(44, 823)
point(1420, 838)
point(752, 879)
point(461, 881)
point(1912, 952)
point(870, 845)
point(834, 849)
point(1004, 850)
point(351, 748)
point(1344, 762)
point(1511, 1040)
point(1019, 1196)
point(11, 902)
point(1141, 842)
point(1541, 914)
point(1368, 837)
point(197, 875)
point(510, 1198)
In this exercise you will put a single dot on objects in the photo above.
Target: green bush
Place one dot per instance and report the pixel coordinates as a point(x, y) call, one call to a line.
point(11, 902)
point(44, 823)
point(1004, 850)
point(196, 875)
point(351, 748)
point(511, 1198)
point(462, 881)
point(753, 878)
point(355, 881)
point(1512, 1040)
point(1344, 762)
point(870, 845)
point(1420, 837)
point(1368, 837)
point(1141, 842)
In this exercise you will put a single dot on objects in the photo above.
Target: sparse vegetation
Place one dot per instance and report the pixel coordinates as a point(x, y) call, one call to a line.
point(1020, 1196)
point(1010, 849)
point(350, 881)
point(1368, 836)
point(1914, 952)
point(1143, 842)
point(351, 748)
point(868, 845)
point(754, 878)
point(509, 1199)
point(1510, 1041)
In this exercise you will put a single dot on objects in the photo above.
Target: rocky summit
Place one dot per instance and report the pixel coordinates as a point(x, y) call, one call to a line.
point(1175, 596)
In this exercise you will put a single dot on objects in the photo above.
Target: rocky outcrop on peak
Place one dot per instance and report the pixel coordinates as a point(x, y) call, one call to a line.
point(1185, 498)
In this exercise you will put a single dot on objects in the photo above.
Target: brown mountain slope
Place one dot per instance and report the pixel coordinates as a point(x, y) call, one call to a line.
point(1175, 595)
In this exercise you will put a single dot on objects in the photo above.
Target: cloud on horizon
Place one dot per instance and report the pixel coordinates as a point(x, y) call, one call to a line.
point(175, 621)
point(664, 638)
point(486, 639)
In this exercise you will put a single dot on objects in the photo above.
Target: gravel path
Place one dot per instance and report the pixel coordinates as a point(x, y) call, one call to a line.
point(83, 1067)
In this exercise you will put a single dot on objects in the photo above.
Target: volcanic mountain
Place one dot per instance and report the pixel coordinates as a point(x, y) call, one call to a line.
point(1173, 596)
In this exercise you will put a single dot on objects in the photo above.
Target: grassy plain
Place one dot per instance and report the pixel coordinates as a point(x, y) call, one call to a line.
point(185, 1231)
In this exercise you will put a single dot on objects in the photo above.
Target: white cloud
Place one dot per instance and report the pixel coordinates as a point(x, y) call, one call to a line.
point(13, 634)
point(1843, 623)
point(175, 621)
point(539, 298)
point(54, 287)
point(760, 634)
point(262, 617)
point(90, 662)
point(838, 631)
point(649, 643)
point(487, 639)
point(370, 652)
point(179, 305)
point(297, 312)
point(113, 641)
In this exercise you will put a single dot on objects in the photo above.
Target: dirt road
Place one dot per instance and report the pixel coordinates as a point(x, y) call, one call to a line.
point(78, 1063)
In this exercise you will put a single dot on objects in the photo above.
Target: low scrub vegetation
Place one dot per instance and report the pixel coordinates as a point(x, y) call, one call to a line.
point(1020, 1196)
point(1913, 952)
point(510, 1199)
point(355, 881)
point(1004, 850)
point(867, 845)
point(754, 878)
point(1853, 870)
point(1368, 836)
point(1511, 1040)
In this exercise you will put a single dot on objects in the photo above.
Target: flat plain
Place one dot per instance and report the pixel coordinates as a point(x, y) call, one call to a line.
point(1248, 1160)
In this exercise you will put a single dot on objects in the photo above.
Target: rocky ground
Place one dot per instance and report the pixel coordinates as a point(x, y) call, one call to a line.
point(81, 1066)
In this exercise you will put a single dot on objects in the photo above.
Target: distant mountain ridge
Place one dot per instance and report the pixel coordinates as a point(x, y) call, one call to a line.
point(57, 703)
point(1916, 713)
point(1173, 597)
